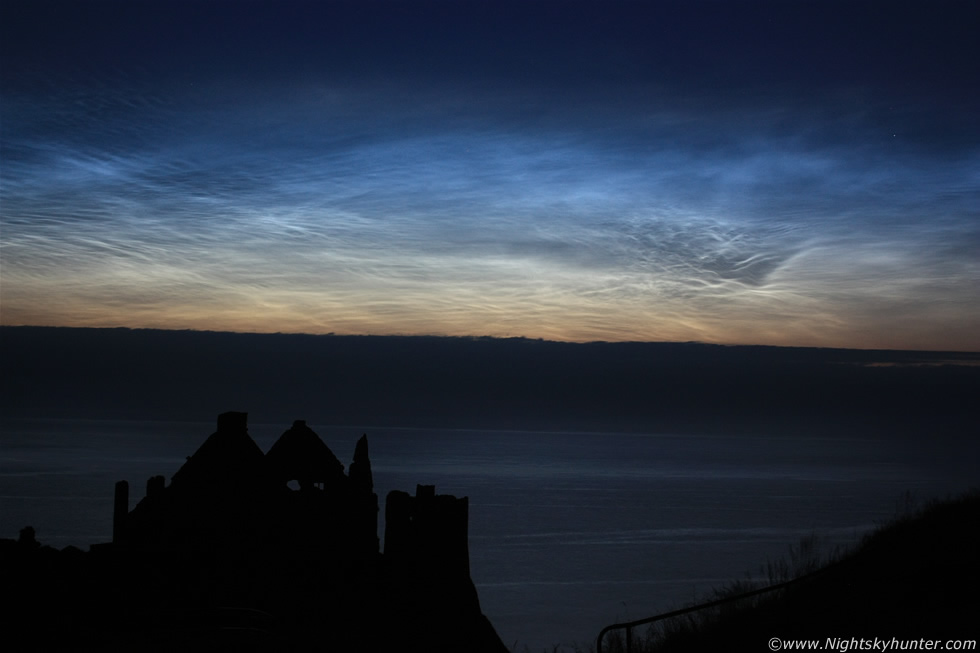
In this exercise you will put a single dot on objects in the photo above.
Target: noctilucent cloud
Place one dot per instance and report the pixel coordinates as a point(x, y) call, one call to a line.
point(787, 173)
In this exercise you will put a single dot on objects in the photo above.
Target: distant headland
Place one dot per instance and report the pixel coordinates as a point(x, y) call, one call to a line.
point(483, 383)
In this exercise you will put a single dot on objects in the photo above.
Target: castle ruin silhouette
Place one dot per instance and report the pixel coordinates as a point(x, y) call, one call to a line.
point(275, 551)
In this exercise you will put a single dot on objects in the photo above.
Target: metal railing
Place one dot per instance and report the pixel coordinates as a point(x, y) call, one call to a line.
point(630, 625)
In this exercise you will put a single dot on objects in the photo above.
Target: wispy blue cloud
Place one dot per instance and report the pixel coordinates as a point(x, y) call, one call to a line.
point(638, 210)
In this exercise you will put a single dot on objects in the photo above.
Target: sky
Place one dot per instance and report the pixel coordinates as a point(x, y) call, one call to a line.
point(780, 173)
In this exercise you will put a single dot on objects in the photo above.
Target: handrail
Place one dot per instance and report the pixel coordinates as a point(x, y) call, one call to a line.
point(630, 625)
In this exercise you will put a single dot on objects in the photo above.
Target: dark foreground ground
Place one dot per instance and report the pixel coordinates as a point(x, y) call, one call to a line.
point(916, 578)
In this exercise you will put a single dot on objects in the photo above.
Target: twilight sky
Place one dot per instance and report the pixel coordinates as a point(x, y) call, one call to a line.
point(788, 172)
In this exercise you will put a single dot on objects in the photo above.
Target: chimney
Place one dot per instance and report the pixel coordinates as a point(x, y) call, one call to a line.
point(119, 511)
point(232, 421)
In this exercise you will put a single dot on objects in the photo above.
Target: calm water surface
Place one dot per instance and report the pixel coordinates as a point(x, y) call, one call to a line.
point(568, 531)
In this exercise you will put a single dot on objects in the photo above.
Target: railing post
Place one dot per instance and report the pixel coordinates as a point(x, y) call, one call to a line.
point(629, 639)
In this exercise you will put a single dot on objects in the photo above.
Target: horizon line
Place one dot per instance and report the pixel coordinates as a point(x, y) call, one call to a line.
point(490, 337)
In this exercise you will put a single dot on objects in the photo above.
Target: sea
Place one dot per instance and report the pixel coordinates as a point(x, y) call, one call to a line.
point(568, 531)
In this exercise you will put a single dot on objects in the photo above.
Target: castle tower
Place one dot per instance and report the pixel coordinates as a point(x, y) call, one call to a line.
point(428, 532)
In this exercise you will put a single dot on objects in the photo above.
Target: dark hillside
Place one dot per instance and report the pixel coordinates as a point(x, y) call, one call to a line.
point(914, 578)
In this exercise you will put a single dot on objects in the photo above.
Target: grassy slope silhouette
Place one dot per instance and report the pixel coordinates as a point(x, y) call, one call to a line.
point(915, 577)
